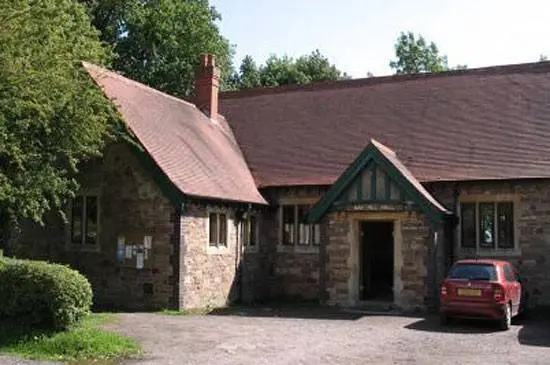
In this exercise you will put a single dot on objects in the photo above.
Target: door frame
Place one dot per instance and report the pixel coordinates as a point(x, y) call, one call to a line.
point(354, 282)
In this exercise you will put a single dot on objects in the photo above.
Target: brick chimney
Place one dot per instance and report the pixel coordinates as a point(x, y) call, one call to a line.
point(207, 85)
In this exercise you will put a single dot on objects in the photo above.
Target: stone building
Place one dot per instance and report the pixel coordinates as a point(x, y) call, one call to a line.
point(339, 192)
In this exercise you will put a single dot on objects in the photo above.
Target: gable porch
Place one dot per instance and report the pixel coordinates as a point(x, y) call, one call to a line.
point(384, 234)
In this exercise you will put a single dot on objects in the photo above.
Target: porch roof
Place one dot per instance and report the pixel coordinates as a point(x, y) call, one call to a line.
point(386, 159)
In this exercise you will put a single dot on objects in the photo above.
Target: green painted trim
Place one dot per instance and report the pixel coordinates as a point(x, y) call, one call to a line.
point(371, 153)
point(388, 187)
point(359, 187)
point(389, 202)
point(176, 197)
point(373, 182)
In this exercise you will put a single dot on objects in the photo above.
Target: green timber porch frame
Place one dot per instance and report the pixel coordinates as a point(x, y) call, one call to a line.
point(376, 156)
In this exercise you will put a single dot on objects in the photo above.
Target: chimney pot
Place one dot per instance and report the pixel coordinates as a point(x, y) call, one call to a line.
point(207, 84)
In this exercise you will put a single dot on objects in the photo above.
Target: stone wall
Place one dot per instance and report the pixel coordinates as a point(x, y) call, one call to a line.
point(532, 220)
point(258, 264)
point(293, 272)
point(412, 239)
point(338, 263)
point(414, 271)
point(131, 206)
point(209, 275)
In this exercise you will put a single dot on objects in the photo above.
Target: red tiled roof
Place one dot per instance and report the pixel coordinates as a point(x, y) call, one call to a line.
point(490, 123)
point(391, 156)
point(195, 153)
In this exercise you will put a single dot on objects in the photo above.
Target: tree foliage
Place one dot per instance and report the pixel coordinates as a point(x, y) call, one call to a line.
point(249, 74)
point(51, 115)
point(286, 70)
point(159, 42)
point(415, 55)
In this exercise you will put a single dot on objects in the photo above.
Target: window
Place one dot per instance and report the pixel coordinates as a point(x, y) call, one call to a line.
point(250, 231)
point(474, 272)
point(289, 224)
point(217, 235)
point(487, 225)
point(295, 227)
point(84, 220)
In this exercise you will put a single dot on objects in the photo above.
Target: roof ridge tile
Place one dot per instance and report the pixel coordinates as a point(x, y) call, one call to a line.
point(518, 68)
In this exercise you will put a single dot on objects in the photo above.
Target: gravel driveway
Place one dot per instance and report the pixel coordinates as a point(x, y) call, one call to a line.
point(315, 337)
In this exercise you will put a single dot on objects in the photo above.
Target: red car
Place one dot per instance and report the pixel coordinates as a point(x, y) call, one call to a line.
point(485, 289)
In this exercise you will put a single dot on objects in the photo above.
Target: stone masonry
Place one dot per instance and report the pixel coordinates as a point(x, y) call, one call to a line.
point(532, 220)
point(342, 268)
point(294, 271)
point(183, 271)
point(131, 206)
point(208, 274)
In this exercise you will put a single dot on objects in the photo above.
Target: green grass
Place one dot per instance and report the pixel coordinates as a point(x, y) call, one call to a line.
point(85, 342)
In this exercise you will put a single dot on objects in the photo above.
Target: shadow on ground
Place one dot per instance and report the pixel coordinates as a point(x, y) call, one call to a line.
point(432, 324)
point(303, 312)
point(535, 329)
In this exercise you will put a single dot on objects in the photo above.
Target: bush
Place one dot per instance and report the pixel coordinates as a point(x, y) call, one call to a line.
point(42, 295)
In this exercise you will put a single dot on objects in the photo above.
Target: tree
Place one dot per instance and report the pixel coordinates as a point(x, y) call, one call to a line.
point(159, 42)
point(249, 73)
point(316, 67)
point(285, 70)
point(415, 55)
point(51, 114)
point(543, 58)
point(281, 71)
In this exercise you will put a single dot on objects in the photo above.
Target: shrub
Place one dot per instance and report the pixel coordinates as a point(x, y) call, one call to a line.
point(42, 295)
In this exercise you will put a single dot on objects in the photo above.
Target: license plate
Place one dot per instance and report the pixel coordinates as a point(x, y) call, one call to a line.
point(469, 292)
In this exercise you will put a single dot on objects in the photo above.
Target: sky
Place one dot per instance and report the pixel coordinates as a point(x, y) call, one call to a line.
point(359, 36)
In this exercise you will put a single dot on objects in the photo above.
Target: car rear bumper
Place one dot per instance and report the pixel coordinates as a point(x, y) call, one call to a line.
point(473, 310)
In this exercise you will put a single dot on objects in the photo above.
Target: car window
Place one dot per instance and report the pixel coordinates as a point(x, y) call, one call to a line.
point(474, 272)
point(508, 273)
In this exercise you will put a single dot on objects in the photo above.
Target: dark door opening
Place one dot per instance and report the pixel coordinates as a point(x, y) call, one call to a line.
point(377, 261)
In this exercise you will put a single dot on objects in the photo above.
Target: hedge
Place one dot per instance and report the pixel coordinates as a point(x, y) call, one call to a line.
point(42, 295)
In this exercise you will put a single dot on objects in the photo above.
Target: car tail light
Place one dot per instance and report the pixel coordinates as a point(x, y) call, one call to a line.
point(443, 290)
point(498, 294)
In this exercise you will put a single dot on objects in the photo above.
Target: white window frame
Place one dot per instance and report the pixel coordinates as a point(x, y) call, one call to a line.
point(218, 248)
point(256, 233)
point(82, 246)
point(296, 246)
point(494, 199)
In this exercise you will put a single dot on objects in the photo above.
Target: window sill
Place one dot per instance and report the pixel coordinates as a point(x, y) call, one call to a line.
point(251, 249)
point(489, 252)
point(83, 248)
point(298, 248)
point(217, 250)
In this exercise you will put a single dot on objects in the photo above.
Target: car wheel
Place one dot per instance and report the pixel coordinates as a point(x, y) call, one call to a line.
point(506, 321)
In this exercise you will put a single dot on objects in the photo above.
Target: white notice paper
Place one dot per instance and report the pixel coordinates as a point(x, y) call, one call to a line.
point(120, 244)
point(147, 242)
point(139, 261)
point(129, 249)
